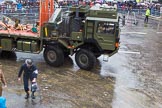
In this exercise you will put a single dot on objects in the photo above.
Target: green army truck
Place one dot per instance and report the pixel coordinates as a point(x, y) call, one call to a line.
point(81, 30)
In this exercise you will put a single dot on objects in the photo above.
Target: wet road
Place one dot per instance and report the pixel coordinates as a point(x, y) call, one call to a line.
point(131, 79)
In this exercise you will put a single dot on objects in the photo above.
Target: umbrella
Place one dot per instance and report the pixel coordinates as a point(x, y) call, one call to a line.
point(8, 1)
point(109, 0)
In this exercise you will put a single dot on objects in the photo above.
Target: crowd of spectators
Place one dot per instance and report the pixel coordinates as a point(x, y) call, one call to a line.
point(19, 5)
point(29, 5)
point(140, 7)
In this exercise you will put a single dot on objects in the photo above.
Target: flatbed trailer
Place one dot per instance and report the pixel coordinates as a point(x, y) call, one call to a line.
point(18, 40)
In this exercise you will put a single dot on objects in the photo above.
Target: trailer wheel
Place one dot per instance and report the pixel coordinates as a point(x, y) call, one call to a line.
point(8, 55)
point(85, 59)
point(54, 56)
point(5, 54)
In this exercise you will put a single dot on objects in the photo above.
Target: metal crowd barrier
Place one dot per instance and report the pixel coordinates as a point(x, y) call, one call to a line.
point(140, 11)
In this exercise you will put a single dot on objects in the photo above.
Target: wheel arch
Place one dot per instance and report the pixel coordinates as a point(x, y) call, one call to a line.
point(85, 59)
point(59, 60)
point(92, 45)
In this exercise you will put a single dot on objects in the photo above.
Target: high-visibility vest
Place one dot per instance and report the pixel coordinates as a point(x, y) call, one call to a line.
point(147, 12)
point(137, 1)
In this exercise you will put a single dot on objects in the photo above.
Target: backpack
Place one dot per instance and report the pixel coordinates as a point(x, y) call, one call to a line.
point(2, 102)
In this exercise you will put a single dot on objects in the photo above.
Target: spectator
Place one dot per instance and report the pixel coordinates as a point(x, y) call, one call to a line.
point(30, 73)
point(147, 15)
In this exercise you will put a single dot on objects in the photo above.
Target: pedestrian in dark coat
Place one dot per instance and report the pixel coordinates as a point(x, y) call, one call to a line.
point(30, 73)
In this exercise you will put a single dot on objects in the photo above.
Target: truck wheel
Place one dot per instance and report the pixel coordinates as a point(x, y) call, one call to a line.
point(85, 59)
point(54, 56)
point(5, 54)
point(8, 55)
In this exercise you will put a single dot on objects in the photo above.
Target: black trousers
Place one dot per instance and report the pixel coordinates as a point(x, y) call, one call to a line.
point(146, 19)
point(26, 80)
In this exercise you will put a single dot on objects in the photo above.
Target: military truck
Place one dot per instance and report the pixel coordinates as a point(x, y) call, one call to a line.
point(81, 31)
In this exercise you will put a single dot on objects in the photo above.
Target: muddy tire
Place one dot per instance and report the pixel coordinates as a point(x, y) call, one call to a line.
point(54, 56)
point(85, 59)
point(5, 54)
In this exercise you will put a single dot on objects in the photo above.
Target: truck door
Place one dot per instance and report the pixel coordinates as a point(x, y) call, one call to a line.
point(105, 35)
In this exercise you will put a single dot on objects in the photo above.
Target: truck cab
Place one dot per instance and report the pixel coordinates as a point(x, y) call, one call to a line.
point(104, 23)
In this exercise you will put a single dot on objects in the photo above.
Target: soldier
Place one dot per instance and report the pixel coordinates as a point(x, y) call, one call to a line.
point(18, 26)
point(5, 20)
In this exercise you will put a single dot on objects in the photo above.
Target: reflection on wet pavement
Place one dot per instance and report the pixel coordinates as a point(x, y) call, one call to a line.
point(65, 87)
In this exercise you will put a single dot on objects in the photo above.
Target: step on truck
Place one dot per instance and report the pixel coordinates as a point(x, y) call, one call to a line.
point(83, 31)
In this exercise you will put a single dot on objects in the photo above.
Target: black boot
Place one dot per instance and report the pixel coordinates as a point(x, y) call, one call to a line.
point(27, 96)
point(32, 95)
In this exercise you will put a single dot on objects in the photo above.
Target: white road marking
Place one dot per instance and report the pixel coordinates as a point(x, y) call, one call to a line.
point(129, 52)
point(158, 32)
point(134, 33)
